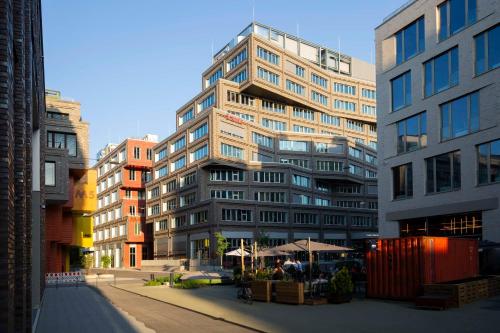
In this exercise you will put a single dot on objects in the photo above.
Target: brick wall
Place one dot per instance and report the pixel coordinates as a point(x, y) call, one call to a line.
point(21, 90)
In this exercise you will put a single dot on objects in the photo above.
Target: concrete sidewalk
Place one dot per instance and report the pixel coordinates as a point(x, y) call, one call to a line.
point(358, 316)
point(82, 309)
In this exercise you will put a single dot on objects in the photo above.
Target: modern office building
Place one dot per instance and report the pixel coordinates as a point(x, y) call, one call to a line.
point(280, 144)
point(120, 231)
point(70, 185)
point(438, 119)
point(22, 109)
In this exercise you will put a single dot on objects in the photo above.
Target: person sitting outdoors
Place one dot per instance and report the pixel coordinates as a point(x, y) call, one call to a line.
point(278, 272)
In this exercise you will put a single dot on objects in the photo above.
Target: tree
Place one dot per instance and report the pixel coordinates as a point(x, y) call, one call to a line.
point(87, 261)
point(221, 245)
point(263, 239)
point(106, 261)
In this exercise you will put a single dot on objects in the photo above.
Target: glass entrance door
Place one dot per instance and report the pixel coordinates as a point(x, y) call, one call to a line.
point(132, 256)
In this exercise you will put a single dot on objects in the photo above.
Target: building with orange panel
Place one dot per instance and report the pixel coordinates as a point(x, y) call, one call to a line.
point(120, 231)
point(70, 194)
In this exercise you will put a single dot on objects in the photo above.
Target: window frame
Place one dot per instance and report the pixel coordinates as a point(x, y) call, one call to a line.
point(485, 35)
point(451, 156)
point(432, 62)
point(468, 96)
point(407, 187)
point(419, 49)
point(406, 103)
point(467, 21)
point(54, 173)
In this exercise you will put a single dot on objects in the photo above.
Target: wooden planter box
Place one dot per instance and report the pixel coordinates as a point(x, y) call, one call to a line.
point(460, 293)
point(261, 290)
point(290, 292)
point(493, 285)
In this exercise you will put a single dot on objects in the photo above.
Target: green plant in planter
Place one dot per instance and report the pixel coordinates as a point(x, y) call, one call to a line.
point(341, 284)
point(264, 274)
point(249, 276)
point(106, 261)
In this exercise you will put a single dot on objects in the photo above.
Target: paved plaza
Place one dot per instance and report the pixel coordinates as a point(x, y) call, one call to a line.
point(126, 305)
point(377, 315)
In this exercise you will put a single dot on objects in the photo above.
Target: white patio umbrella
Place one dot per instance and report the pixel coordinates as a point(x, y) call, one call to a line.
point(237, 253)
point(271, 253)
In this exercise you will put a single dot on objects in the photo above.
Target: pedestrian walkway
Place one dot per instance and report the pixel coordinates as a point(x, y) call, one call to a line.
point(377, 315)
point(82, 309)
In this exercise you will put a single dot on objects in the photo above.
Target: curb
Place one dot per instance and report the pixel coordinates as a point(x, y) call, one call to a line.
point(195, 311)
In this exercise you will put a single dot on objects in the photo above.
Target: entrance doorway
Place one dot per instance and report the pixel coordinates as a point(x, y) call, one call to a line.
point(132, 256)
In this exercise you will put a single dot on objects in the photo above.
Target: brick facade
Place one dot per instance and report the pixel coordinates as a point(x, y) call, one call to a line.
point(21, 108)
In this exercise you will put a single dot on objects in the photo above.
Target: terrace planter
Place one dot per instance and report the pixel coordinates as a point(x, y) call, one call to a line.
point(261, 290)
point(460, 292)
point(290, 292)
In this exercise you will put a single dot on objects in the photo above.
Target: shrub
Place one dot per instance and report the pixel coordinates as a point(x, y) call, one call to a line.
point(152, 283)
point(264, 274)
point(87, 260)
point(106, 261)
point(341, 283)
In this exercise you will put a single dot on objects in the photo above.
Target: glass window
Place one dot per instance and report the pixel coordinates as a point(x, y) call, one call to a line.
point(268, 55)
point(206, 103)
point(199, 153)
point(293, 145)
point(412, 133)
point(488, 50)
point(214, 77)
point(199, 132)
point(460, 116)
point(231, 151)
point(443, 172)
point(455, 15)
point(489, 162)
point(50, 173)
point(188, 115)
point(402, 177)
point(62, 141)
point(410, 41)
point(238, 59)
point(262, 140)
point(441, 72)
point(268, 76)
point(401, 91)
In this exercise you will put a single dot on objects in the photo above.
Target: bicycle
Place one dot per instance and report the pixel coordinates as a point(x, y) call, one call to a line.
point(245, 292)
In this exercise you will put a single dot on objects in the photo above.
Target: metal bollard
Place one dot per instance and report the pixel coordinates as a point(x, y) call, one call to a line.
point(171, 282)
point(114, 278)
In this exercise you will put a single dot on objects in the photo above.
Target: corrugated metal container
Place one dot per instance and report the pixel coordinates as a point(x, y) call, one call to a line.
point(400, 267)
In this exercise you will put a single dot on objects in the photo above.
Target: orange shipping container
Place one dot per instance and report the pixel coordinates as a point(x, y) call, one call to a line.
point(400, 267)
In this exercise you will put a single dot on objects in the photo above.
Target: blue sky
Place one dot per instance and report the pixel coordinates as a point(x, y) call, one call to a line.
point(132, 63)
